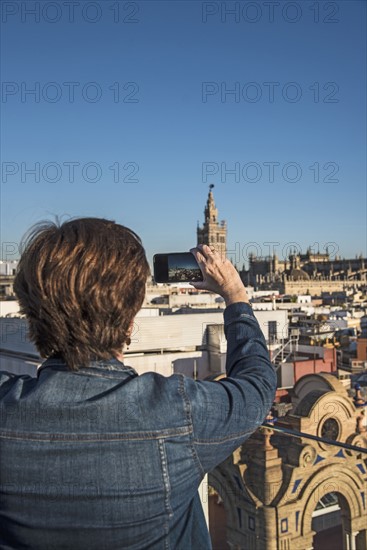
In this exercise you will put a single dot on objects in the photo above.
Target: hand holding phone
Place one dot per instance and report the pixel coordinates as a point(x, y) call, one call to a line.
point(219, 275)
point(177, 267)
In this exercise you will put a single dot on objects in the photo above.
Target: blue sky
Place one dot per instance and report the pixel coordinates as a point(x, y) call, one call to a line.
point(150, 97)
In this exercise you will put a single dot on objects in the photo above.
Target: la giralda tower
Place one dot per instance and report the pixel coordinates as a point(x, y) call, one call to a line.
point(213, 232)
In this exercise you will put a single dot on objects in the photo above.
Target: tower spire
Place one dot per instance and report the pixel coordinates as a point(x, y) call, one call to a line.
point(210, 212)
point(212, 232)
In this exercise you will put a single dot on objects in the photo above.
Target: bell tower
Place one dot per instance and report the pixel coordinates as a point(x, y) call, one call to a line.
point(213, 232)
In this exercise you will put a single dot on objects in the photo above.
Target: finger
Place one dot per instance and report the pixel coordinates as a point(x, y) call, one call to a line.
point(201, 249)
point(209, 249)
point(210, 252)
point(198, 285)
point(200, 258)
point(195, 250)
point(198, 255)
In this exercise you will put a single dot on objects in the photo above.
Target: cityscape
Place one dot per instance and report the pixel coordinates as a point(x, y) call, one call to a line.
point(300, 481)
point(239, 124)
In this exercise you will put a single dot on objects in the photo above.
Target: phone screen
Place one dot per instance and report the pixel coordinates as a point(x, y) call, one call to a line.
point(177, 267)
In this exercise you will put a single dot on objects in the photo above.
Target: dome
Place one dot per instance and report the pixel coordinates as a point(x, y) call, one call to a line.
point(305, 405)
point(299, 275)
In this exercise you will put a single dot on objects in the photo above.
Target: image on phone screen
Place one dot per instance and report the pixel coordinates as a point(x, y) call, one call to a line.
point(176, 267)
point(183, 267)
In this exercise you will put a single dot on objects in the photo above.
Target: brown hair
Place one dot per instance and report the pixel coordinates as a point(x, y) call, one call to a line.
point(80, 285)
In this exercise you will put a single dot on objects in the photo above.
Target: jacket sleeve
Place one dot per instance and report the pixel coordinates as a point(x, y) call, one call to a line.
point(224, 413)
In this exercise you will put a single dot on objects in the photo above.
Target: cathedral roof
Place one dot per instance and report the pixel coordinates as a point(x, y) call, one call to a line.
point(299, 275)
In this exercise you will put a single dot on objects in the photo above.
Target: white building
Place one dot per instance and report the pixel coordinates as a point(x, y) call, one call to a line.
point(8, 267)
point(193, 344)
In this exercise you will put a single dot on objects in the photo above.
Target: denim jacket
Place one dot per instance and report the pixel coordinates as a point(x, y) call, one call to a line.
point(103, 458)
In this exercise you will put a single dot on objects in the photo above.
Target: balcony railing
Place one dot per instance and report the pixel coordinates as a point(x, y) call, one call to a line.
point(287, 349)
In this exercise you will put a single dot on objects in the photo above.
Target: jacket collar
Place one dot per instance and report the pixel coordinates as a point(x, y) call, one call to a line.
point(109, 368)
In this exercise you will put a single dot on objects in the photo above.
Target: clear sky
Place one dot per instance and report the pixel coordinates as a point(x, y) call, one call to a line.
point(136, 95)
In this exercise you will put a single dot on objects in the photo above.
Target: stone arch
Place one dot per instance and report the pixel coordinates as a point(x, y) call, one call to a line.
point(331, 479)
point(344, 406)
point(318, 405)
point(332, 405)
point(302, 472)
point(322, 381)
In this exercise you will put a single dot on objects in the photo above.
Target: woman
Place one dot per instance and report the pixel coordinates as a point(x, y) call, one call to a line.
point(94, 456)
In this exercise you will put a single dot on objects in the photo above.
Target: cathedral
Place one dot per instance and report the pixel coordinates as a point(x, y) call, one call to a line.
point(304, 267)
point(311, 273)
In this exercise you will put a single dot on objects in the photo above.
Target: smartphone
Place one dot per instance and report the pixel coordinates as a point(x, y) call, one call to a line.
point(177, 267)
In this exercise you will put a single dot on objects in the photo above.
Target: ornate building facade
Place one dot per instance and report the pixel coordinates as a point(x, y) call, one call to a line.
point(301, 272)
point(213, 232)
point(272, 484)
point(310, 273)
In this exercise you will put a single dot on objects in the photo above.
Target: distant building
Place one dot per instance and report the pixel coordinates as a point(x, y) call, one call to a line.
point(213, 232)
point(7, 272)
point(306, 360)
point(362, 341)
point(8, 267)
point(305, 273)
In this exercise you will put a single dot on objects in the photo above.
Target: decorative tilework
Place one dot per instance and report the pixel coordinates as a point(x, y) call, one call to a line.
point(297, 520)
point(296, 484)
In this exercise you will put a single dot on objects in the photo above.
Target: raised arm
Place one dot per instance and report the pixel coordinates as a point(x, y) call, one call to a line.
point(225, 412)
